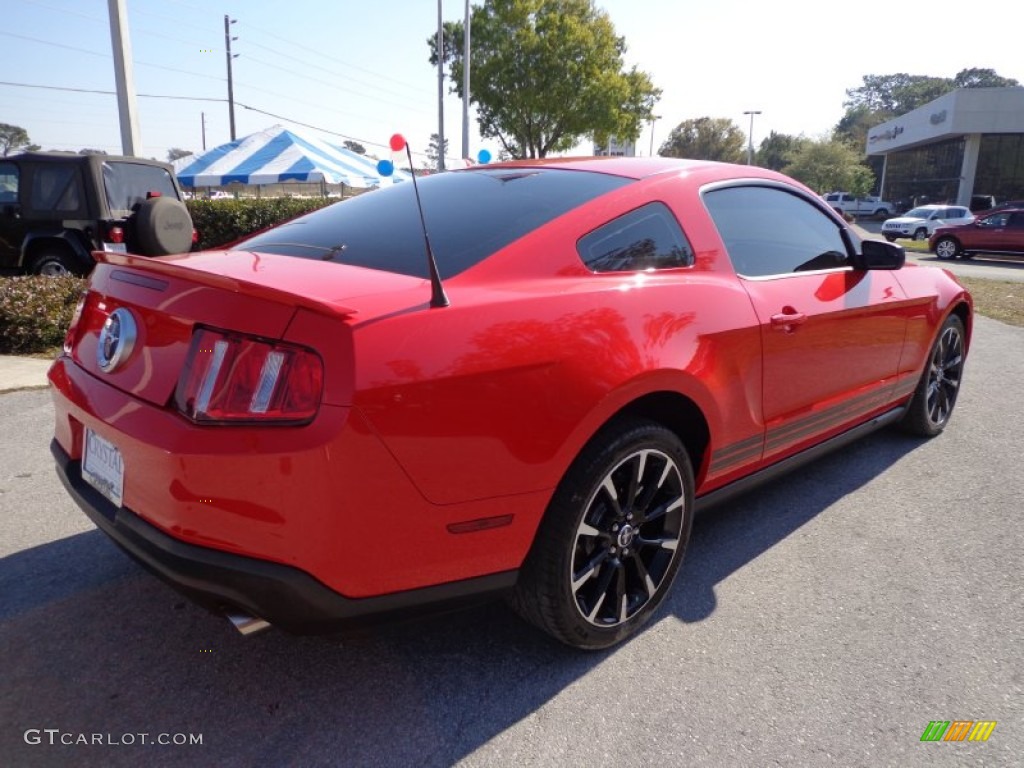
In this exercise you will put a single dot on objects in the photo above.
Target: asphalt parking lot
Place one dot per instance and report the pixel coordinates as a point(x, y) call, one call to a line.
point(825, 619)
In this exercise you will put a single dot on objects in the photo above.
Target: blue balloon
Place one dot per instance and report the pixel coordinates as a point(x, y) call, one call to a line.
point(385, 167)
point(484, 156)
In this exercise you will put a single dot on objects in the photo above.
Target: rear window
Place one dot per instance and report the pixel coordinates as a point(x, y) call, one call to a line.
point(469, 215)
point(128, 183)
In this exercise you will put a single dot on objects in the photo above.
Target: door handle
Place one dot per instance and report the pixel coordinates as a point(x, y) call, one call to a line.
point(787, 319)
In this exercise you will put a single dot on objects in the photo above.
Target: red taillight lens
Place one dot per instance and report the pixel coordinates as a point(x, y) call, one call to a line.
point(115, 235)
point(195, 236)
point(235, 378)
point(69, 337)
point(153, 193)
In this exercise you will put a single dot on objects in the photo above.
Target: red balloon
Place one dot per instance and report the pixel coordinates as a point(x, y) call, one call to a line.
point(397, 142)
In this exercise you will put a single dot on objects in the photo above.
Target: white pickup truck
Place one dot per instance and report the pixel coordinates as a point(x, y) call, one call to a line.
point(844, 202)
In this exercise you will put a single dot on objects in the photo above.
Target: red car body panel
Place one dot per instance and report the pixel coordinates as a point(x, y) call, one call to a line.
point(432, 419)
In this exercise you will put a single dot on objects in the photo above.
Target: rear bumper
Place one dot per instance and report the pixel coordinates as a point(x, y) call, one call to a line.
point(285, 596)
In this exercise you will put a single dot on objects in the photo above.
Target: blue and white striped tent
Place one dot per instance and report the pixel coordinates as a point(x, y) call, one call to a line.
point(278, 155)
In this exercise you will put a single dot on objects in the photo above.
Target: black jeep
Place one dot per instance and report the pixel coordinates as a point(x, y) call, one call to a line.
point(56, 208)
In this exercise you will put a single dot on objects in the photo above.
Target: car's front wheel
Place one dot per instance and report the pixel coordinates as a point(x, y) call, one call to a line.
point(881, 212)
point(947, 248)
point(920, 233)
point(612, 539)
point(936, 393)
point(890, 238)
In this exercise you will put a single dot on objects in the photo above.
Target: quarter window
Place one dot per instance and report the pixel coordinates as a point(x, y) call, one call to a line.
point(770, 231)
point(56, 188)
point(645, 239)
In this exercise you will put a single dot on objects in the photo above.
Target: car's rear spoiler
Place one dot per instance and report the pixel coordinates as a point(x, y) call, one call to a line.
point(165, 265)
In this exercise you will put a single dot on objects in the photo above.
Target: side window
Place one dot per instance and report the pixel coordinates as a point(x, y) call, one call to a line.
point(832, 198)
point(1017, 221)
point(996, 220)
point(56, 188)
point(644, 239)
point(8, 183)
point(769, 231)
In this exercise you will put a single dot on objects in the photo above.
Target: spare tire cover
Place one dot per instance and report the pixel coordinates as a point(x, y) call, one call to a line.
point(162, 226)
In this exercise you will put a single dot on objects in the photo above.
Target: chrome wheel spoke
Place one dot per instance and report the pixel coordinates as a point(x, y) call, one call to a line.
point(588, 570)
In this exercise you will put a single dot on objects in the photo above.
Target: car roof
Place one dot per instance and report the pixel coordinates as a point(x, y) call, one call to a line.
point(631, 167)
point(91, 157)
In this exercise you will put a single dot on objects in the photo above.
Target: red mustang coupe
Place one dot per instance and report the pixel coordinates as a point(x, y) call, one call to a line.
point(340, 417)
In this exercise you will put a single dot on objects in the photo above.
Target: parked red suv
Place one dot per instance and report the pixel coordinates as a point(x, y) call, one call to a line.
point(1001, 233)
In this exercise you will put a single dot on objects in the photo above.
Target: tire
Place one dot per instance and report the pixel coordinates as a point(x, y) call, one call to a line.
point(933, 401)
point(920, 233)
point(947, 248)
point(891, 238)
point(881, 212)
point(55, 262)
point(162, 226)
point(612, 539)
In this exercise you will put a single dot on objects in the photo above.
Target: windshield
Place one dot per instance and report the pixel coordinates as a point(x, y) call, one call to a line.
point(919, 213)
point(469, 216)
point(128, 183)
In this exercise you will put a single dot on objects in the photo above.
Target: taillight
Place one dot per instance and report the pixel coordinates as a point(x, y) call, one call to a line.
point(230, 378)
point(115, 234)
point(195, 236)
point(69, 337)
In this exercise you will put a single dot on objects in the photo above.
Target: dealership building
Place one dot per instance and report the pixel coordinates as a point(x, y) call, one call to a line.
point(967, 142)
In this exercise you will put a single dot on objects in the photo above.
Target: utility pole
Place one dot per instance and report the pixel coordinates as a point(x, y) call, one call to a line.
point(203, 117)
point(465, 84)
point(124, 76)
point(440, 89)
point(231, 85)
point(750, 136)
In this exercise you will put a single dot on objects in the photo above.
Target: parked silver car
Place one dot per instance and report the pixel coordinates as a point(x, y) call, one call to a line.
point(921, 222)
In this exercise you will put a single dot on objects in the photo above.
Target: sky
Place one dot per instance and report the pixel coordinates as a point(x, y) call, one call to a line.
point(360, 70)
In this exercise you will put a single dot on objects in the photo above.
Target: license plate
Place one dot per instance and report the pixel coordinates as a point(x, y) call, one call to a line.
point(115, 247)
point(103, 467)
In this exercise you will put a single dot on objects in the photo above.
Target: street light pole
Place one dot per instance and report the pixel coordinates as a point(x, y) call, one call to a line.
point(750, 136)
point(231, 83)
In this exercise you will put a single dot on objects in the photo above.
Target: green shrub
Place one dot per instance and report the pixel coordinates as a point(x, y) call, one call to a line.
point(35, 312)
point(220, 222)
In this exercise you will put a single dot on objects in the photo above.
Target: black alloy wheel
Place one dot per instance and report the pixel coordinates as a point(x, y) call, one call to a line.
point(613, 538)
point(932, 405)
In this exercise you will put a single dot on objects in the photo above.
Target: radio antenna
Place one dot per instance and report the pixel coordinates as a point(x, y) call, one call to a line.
point(438, 298)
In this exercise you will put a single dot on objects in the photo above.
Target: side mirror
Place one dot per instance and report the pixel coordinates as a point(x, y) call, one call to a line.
point(876, 254)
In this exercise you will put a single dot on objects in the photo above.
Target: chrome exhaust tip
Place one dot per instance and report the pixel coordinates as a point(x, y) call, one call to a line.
point(246, 624)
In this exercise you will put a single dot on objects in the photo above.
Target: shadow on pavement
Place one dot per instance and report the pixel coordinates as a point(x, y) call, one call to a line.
point(94, 644)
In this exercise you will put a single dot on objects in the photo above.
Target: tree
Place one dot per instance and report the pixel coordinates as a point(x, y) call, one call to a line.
point(14, 138)
point(434, 150)
point(706, 138)
point(981, 78)
point(829, 165)
point(88, 151)
point(354, 146)
point(547, 73)
point(775, 150)
point(176, 154)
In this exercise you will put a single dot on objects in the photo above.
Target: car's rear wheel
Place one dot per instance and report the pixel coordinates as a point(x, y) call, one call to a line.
point(920, 233)
point(55, 262)
point(612, 539)
point(890, 238)
point(881, 212)
point(936, 393)
point(947, 248)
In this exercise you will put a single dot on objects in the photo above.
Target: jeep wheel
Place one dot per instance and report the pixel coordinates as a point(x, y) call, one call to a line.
point(920, 233)
point(162, 226)
point(947, 248)
point(55, 262)
point(881, 212)
point(891, 238)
